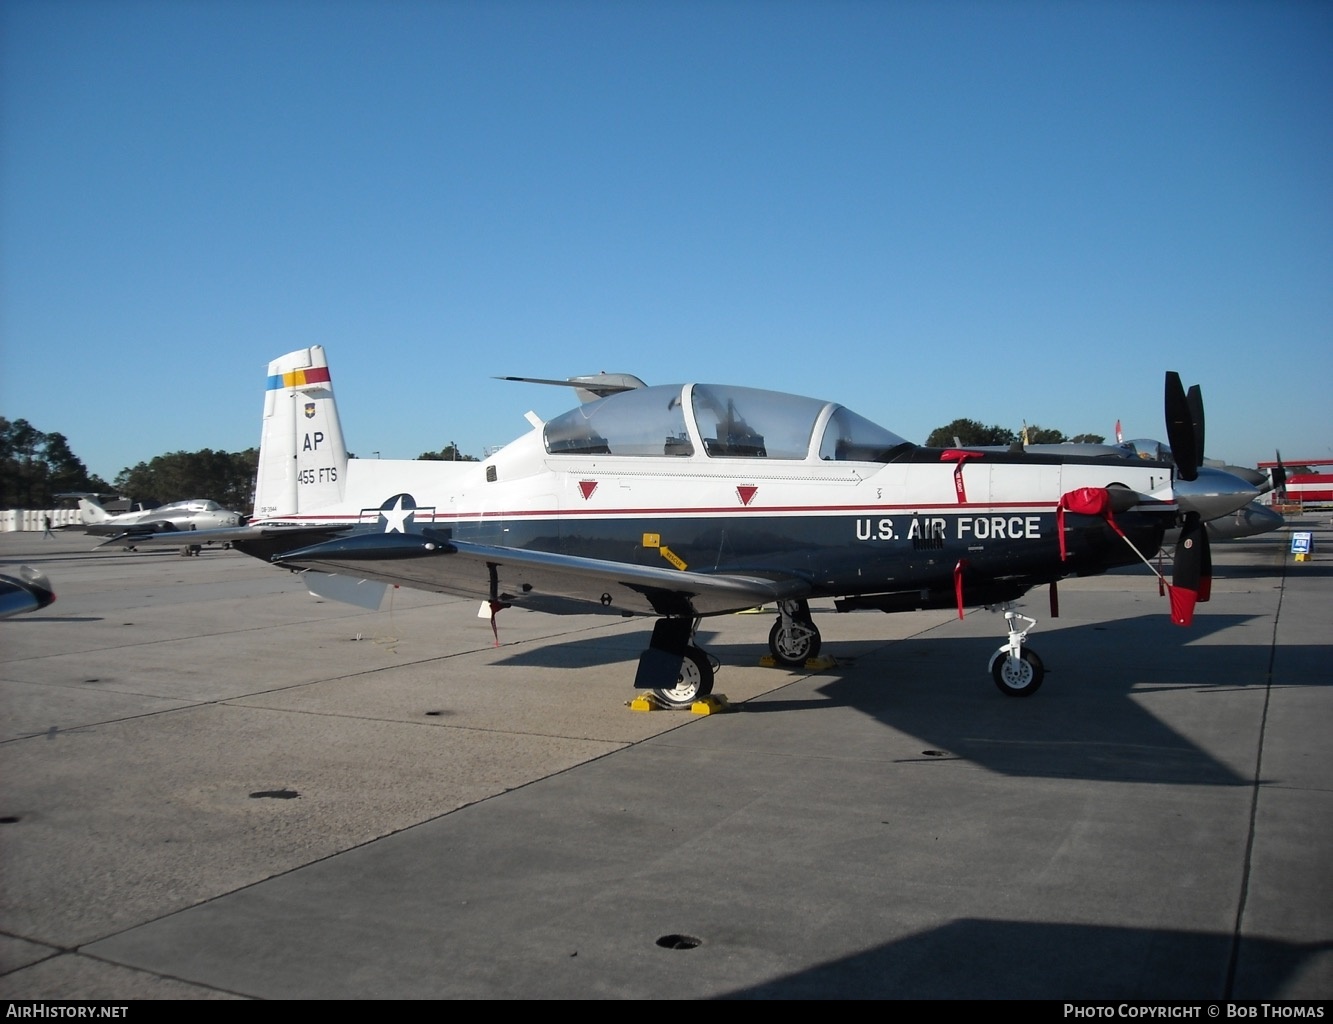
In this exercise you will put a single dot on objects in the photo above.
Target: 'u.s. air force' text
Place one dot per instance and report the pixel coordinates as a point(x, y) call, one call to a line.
point(965, 528)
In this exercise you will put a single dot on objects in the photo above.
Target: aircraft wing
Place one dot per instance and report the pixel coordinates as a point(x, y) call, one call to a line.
point(539, 579)
point(121, 532)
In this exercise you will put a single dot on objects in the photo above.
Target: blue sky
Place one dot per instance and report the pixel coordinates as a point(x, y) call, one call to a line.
point(1006, 211)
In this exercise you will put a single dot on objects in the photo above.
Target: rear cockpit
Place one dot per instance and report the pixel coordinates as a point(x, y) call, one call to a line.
point(1147, 449)
point(719, 422)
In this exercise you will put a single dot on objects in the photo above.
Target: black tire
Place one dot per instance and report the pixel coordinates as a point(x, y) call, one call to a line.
point(794, 648)
point(1021, 679)
point(695, 681)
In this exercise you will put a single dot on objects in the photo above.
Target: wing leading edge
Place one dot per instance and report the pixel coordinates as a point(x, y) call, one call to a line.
point(538, 579)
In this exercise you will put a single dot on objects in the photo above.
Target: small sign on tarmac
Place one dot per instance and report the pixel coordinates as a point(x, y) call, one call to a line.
point(1302, 545)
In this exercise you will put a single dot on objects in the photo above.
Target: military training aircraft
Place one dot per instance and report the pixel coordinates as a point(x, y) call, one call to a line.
point(683, 501)
point(177, 517)
point(28, 591)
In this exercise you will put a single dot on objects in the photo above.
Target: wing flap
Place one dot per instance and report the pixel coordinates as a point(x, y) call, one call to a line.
point(538, 579)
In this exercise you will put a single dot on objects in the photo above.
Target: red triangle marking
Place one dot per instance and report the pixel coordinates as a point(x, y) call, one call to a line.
point(746, 493)
point(587, 487)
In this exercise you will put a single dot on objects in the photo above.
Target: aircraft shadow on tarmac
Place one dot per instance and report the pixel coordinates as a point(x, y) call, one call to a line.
point(112, 555)
point(58, 618)
point(1084, 723)
point(1038, 960)
point(1307, 570)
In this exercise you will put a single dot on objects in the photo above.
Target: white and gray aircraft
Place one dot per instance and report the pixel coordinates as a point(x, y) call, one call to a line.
point(177, 517)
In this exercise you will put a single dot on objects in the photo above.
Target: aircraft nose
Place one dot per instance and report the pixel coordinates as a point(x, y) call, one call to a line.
point(1214, 492)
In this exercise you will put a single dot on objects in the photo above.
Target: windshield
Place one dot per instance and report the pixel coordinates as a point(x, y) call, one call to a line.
point(852, 438)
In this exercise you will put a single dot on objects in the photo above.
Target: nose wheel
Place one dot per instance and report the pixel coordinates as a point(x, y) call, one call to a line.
point(1016, 669)
point(1017, 677)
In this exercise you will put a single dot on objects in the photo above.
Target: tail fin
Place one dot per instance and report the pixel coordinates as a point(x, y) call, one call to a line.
point(302, 457)
point(92, 511)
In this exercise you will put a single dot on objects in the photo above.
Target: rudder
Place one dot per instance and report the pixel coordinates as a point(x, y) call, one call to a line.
point(93, 512)
point(302, 455)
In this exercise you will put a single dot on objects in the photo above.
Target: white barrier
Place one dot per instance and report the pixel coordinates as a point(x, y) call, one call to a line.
point(21, 519)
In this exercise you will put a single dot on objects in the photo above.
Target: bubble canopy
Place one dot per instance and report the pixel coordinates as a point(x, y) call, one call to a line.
point(726, 422)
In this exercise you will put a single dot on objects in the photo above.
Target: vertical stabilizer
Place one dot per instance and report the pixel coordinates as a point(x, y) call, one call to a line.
point(93, 512)
point(302, 457)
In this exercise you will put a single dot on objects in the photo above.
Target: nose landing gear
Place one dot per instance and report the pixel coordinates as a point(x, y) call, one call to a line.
point(1016, 670)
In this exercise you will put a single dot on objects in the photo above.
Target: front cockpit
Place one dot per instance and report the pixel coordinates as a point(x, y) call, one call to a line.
point(718, 421)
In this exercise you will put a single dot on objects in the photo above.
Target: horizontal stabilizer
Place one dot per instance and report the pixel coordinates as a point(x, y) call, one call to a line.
point(28, 591)
point(279, 537)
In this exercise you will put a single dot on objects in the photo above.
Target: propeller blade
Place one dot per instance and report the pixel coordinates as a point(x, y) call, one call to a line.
point(1193, 578)
point(1195, 401)
point(1181, 432)
point(1279, 477)
point(1270, 481)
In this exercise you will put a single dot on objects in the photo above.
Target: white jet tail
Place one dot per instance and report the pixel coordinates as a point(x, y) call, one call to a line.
point(93, 512)
point(302, 457)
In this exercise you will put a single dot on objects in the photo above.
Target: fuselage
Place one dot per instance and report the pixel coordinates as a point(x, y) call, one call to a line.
point(190, 514)
point(732, 480)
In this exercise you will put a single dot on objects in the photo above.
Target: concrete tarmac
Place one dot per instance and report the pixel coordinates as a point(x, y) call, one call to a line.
point(214, 786)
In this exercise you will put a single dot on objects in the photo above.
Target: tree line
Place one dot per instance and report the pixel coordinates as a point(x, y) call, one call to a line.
point(966, 432)
point(35, 466)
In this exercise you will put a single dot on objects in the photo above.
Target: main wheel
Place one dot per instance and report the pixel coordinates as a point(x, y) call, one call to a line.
point(793, 647)
point(695, 681)
point(1018, 678)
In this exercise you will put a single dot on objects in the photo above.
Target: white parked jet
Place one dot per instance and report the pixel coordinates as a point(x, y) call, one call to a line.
point(193, 514)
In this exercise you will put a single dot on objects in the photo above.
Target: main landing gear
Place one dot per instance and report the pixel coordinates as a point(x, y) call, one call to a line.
point(794, 638)
point(694, 682)
point(673, 667)
point(1016, 669)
